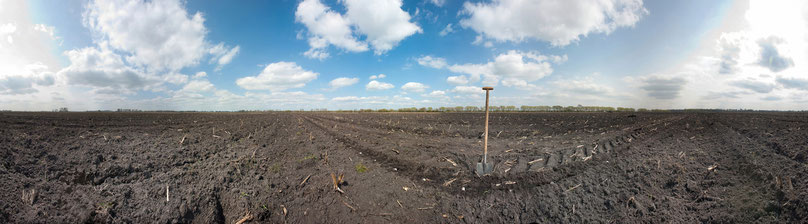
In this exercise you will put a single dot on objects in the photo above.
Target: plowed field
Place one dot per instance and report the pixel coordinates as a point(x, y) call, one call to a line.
point(403, 167)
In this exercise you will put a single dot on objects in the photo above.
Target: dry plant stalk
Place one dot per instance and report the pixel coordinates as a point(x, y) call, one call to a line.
point(711, 168)
point(535, 161)
point(337, 181)
point(183, 138)
point(573, 188)
point(349, 206)
point(247, 217)
point(450, 161)
point(305, 179)
point(449, 182)
point(29, 197)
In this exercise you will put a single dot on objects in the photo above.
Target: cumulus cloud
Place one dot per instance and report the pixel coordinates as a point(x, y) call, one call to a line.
point(23, 81)
point(160, 35)
point(457, 80)
point(103, 68)
point(26, 61)
point(793, 83)
point(200, 74)
point(382, 23)
point(379, 76)
point(558, 22)
point(414, 87)
point(585, 86)
point(729, 48)
point(515, 68)
point(470, 90)
point(661, 87)
point(195, 89)
point(326, 27)
point(278, 76)
point(770, 57)
point(376, 85)
point(434, 62)
point(437, 93)
point(342, 82)
point(754, 85)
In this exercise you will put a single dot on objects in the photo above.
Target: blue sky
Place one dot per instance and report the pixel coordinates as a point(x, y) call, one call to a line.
point(216, 55)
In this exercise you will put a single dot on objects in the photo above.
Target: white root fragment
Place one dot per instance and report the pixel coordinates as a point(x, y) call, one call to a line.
point(247, 217)
point(573, 188)
point(450, 161)
point(535, 161)
point(447, 183)
point(711, 168)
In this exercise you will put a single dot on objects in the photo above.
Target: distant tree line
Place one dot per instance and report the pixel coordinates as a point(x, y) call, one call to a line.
point(525, 108)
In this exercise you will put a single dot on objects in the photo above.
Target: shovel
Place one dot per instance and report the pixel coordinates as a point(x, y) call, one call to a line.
point(485, 167)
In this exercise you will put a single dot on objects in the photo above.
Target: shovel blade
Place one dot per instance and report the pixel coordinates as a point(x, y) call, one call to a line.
point(484, 168)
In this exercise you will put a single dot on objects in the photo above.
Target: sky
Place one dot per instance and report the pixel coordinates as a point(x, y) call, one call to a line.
point(355, 54)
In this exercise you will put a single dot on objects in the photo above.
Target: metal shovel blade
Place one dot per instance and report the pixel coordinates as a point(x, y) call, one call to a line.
point(484, 168)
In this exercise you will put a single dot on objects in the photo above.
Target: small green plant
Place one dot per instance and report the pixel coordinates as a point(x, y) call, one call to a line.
point(275, 168)
point(244, 194)
point(104, 205)
point(309, 157)
point(360, 168)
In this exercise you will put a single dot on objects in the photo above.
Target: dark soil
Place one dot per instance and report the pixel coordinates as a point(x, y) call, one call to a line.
point(403, 167)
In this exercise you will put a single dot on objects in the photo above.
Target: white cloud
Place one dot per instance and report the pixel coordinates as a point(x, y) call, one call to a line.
point(414, 87)
point(23, 81)
point(558, 22)
point(770, 56)
point(103, 68)
point(200, 74)
point(793, 83)
point(457, 80)
point(221, 55)
point(584, 86)
point(160, 35)
point(447, 30)
point(438, 3)
point(380, 76)
point(516, 68)
point(376, 85)
point(50, 30)
point(342, 82)
point(26, 63)
point(278, 76)
point(469, 90)
point(326, 27)
point(197, 86)
point(434, 62)
point(382, 22)
point(754, 85)
point(437, 93)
